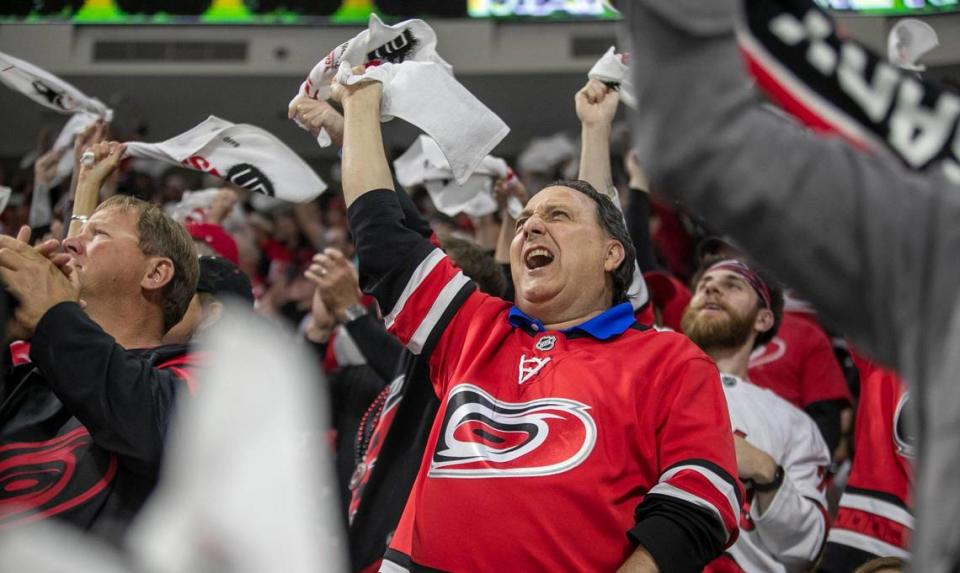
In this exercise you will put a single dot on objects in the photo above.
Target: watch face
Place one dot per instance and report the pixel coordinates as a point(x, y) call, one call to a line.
point(354, 311)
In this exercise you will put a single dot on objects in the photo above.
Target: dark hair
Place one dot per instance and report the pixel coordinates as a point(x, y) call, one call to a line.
point(776, 293)
point(881, 563)
point(613, 224)
point(476, 264)
point(162, 236)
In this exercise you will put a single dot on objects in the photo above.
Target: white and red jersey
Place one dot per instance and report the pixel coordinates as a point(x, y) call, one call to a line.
point(791, 533)
point(875, 518)
point(549, 447)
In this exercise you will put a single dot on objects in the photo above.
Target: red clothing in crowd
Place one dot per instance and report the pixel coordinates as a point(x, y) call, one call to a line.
point(799, 364)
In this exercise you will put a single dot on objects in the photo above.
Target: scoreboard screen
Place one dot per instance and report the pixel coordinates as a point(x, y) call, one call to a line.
point(291, 11)
point(357, 11)
point(892, 7)
point(222, 11)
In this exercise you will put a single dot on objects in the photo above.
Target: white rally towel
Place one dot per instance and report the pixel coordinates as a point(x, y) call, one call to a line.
point(909, 39)
point(242, 154)
point(41, 211)
point(247, 484)
point(5, 194)
point(545, 155)
point(76, 125)
point(47, 89)
point(418, 87)
point(614, 68)
point(424, 164)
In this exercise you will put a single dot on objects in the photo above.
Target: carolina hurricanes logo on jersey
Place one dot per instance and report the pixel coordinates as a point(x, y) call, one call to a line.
point(485, 437)
point(41, 479)
point(769, 352)
point(903, 432)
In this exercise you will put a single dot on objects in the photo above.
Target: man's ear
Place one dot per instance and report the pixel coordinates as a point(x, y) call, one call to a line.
point(159, 273)
point(764, 321)
point(614, 256)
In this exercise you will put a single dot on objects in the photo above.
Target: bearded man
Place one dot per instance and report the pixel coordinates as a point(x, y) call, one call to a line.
point(781, 457)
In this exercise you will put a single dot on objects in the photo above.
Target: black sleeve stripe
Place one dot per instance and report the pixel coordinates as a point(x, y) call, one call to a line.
point(403, 562)
point(882, 496)
point(721, 473)
point(681, 537)
point(702, 514)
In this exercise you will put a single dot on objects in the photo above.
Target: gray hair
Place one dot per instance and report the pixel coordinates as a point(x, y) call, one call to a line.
point(613, 224)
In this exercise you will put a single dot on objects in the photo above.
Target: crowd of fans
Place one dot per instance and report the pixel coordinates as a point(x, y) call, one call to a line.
point(596, 382)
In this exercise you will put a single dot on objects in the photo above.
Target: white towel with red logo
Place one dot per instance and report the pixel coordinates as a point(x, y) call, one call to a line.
point(418, 87)
point(242, 154)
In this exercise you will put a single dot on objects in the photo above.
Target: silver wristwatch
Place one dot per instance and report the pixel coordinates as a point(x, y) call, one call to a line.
point(353, 312)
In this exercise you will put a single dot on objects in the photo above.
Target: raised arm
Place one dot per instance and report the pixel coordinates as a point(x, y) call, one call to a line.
point(596, 106)
point(398, 265)
point(637, 213)
point(365, 165)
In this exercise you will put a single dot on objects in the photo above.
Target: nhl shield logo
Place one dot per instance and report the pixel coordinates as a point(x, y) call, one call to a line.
point(546, 343)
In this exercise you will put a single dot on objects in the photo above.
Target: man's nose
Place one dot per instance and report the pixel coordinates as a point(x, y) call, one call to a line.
point(73, 245)
point(534, 226)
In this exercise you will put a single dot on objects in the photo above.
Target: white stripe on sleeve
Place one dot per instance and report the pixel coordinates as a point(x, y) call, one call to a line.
point(422, 271)
point(866, 543)
point(440, 305)
point(675, 492)
point(719, 483)
point(879, 507)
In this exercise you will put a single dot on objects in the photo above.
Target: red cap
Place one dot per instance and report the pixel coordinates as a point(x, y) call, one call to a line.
point(217, 238)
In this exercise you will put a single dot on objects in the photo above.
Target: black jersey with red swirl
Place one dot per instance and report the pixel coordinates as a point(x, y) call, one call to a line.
point(66, 476)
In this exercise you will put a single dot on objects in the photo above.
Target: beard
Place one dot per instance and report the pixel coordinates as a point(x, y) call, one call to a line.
point(715, 333)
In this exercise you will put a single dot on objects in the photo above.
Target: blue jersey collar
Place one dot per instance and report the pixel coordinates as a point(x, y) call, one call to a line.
point(611, 322)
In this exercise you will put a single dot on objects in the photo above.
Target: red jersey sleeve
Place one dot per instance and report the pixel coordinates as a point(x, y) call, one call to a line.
point(875, 517)
point(696, 446)
point(821, 379)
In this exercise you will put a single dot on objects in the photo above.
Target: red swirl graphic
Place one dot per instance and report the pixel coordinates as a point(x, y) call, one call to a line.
point(40, 479)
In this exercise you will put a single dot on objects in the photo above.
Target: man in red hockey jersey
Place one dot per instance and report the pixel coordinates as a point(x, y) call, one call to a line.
point(546, 453)
point(875, 518)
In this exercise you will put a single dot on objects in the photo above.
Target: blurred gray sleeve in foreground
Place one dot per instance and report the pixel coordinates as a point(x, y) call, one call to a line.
point(870, 243)
point(873, 246)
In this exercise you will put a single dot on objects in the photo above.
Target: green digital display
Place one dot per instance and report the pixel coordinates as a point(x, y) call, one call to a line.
point(298, 12)
point(892, 7)
point(208, 11)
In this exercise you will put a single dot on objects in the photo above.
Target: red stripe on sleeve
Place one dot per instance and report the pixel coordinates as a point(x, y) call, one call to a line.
point(418, 304)
point(875, 526)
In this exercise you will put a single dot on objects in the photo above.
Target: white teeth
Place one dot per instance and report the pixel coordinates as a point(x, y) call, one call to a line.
point(538, 257)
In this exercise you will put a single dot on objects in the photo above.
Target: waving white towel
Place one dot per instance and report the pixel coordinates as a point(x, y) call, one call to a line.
point(47, 89)
point(424, 164)
point(614, 68)
point(242, 154)
point(418, 87)
point(908, 41)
